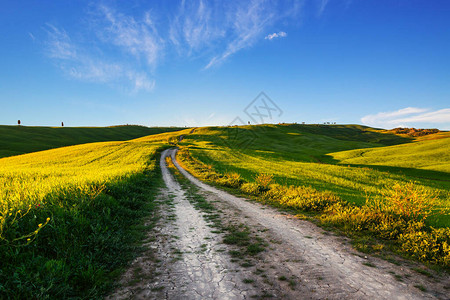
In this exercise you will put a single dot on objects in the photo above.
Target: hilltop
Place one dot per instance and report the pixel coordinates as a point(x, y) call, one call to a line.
point(351, 161)
point(16, 140)
point(73, 216)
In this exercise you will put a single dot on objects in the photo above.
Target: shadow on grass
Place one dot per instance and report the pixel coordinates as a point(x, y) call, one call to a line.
point(357, 133)
point(440, 179)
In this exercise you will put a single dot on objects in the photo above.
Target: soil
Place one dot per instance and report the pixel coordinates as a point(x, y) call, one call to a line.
point(187, 258)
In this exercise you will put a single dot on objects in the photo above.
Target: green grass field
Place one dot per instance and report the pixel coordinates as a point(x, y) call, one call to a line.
point(328, 158)
point(17, 140)
point(385, 191)
point(429, 154)
point(71, 218)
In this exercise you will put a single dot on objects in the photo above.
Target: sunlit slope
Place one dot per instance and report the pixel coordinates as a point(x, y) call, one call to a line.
point(300, 155)
point(427, 154)
point(307, 143)
point(70, 217)
point(356, 133)
point(16, 140)
point(31, 177)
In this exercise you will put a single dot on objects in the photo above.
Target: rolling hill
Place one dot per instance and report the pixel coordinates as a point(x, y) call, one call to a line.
point(326, 157)
point(426, 154)
point(90, 199)
point(70, 217)
point(16, 140)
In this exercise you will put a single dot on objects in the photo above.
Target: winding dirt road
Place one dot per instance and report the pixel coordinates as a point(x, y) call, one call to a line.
point(302, 261)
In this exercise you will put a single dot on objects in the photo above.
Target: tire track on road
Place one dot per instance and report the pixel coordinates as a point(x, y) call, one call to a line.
point(328, 268)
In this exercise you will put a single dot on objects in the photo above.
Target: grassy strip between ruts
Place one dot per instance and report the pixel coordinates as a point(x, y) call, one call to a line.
point(398, 217)
point(245, 243)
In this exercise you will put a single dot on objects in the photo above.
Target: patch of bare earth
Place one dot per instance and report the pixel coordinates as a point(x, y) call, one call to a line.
point(188, 259)
point(300, 261)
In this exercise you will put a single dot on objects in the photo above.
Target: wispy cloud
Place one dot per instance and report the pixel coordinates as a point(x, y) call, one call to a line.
point(322, 5)
point(275, 35)
point(220, 29)
point(407, 117)
point(248, 23)
point(138, 38)
point(196, 25)
point(78, 63)
point(140, 81)
point(130, 46)
point(59, 44)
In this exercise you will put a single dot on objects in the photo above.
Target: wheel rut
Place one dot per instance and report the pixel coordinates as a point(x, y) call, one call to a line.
point(203, 268)
point(301, 261)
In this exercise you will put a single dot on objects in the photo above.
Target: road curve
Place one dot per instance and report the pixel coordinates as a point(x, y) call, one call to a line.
point(330, 268)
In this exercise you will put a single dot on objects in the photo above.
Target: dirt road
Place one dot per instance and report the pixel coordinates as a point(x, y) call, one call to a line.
point(301, 260)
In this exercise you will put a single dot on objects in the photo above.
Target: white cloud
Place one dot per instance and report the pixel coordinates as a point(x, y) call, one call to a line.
point(90, 70)
point(218, 29)
point(407, 117)
point(438, 116)
point(32, 36)
point(129, 47)
point(138, 38)
point(391, 115)
point(248, 22)
point(141, 81)
point(322, 5)
point(197, 26)
point(79, 64)
point(59, 44)
point(276, 35)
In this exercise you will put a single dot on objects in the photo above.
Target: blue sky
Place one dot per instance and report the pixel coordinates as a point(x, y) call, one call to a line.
point(383, 63)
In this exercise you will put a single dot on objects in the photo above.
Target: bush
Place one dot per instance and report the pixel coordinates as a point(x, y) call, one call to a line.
point(398, 215)
point(231, 180)
point(263, 180)
point(349, 217)
point(414, 132)
point(400, 210)
point(408, 202)
point(302, 197)
point(250, 188)
point(429, 246)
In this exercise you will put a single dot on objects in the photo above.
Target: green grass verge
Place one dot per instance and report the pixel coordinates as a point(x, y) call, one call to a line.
point(307, 155)
point(397, 220)
point(402, 207)
point(246, 244)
